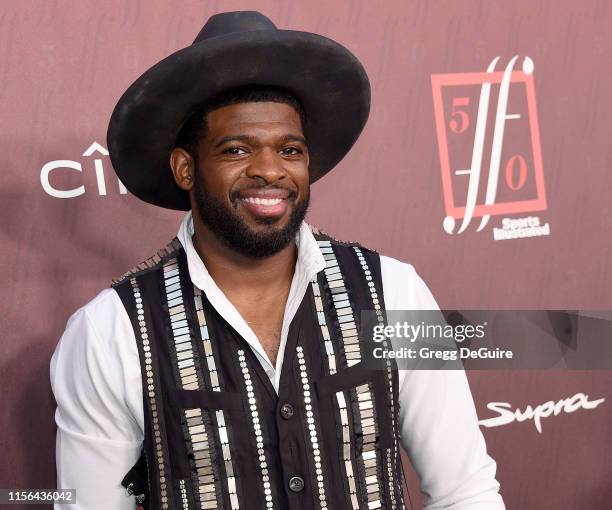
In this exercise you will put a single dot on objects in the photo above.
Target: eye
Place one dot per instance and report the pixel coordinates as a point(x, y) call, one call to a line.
point(234, 151)
point(291, 151)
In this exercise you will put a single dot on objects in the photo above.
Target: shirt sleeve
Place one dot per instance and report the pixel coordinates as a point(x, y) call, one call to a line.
point(438, 422)
point(99, 424)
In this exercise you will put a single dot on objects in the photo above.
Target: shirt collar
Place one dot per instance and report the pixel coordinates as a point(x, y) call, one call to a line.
point(309, 257)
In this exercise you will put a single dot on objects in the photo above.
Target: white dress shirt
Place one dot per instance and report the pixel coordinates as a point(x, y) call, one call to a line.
point(95, 376)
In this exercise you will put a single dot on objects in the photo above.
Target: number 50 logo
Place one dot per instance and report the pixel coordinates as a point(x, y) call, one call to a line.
point(514, 179)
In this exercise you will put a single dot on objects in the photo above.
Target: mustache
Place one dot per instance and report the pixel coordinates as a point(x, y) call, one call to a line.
point(292, 193)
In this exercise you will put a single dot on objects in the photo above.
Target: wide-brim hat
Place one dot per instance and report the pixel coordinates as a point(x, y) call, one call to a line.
point(234, 50)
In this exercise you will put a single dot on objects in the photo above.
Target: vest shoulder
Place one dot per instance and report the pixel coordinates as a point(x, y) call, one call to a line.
point(152, 263)
point(321, 236)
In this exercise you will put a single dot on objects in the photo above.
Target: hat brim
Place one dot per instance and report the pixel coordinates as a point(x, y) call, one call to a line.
point(325, 77)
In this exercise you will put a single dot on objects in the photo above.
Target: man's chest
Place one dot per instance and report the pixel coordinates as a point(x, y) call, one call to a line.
point(266, 321)
point(208, 397)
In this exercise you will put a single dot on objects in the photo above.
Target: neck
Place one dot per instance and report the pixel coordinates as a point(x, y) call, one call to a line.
point(233, 270)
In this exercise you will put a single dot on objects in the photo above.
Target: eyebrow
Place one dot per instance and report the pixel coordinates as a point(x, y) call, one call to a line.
point(252, 140)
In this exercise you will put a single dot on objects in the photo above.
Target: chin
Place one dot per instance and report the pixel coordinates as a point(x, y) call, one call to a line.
point(269, 223)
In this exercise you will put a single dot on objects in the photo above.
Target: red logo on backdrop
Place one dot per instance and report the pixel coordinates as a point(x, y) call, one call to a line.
point(490, 153)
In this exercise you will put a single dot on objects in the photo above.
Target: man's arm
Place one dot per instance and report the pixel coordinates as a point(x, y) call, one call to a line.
point(438, 422)
point(95, 376)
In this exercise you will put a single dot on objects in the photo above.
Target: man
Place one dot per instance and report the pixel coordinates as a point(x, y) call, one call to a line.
point(225, 371)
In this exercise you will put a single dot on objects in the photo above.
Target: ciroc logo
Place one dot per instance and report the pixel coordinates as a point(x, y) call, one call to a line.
point(98, 166)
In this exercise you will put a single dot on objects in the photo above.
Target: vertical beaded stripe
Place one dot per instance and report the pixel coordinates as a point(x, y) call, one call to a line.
point(151, 395)
point(393, 455)
point(342, 305)
point(347, 456)
point(369, 430)
point(254, 413)
point(312, 429)
point(199, 443)
point(180, 330)
point(329, 346)
point(198, 438)
point(362, 410)
point(204, 465)
point(184, 500)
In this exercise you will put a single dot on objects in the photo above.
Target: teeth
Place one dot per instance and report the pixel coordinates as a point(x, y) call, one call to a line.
point(263, 201)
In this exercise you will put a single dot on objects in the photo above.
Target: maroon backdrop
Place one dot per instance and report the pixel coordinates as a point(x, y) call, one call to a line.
point(64, 64)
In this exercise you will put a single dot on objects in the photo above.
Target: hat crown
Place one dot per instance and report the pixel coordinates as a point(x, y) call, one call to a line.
point(231, 22)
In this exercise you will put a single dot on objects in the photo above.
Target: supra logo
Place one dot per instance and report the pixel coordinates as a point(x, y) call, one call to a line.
point(52, 166)
point(567, 405)
point(507, 142)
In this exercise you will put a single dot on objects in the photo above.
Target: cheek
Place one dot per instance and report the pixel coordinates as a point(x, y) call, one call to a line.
point(300, 174)
point(304, 181)
point(217, 183)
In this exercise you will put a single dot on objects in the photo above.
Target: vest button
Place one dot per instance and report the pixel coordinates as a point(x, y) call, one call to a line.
point(296, 484)
point(286, 411)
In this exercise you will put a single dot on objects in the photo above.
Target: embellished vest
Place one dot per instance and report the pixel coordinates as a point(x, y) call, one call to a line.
point(217, 435)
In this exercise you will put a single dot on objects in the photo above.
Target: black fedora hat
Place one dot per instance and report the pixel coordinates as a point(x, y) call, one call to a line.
point(233, 50)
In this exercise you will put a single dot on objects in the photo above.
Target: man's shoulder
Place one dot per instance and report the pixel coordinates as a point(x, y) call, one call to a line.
point(151, 263)
point(397, 266)
point(403, 286)
point(107, 304)
point(391, 263)
point(388, 264)
point(104, 306)
point(95, 326)
point(323, 238)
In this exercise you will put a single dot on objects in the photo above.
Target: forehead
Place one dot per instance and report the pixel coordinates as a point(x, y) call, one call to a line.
point(254, 115)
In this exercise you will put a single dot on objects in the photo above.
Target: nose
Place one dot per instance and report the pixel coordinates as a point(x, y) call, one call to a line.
point(266, 164)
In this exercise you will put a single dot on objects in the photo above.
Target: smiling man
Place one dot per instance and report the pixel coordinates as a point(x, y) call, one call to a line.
point(226, 370)
point(249, 181)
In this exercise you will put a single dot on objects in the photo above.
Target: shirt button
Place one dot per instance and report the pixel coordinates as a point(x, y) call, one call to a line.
point(286, 411)
point(296, 484)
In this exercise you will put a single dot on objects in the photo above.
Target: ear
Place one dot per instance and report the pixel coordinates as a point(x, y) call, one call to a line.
point(183, 168)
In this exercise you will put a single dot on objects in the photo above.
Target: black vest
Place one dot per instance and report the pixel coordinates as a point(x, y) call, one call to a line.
point(216, 433)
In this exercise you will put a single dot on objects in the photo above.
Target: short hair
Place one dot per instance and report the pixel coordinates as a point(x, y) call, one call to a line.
point(195, 127)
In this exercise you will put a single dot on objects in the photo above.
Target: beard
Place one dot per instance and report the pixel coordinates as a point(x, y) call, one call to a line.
point(231, 229)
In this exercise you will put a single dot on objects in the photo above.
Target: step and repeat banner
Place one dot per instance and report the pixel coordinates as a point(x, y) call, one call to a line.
point(486, 163)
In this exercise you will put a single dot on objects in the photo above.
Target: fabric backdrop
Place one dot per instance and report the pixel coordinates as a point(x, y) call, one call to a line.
point(68, 228)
